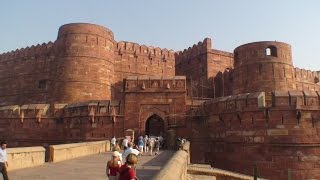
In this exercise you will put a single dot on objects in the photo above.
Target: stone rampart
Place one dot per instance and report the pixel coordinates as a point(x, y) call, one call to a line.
point(45, 49)
point(25, 74)
point(24, 157)
point(200, 63)
point(69, 151)
point(132, 59)
point(176, 167)
point(278, 131)
point(306, 79)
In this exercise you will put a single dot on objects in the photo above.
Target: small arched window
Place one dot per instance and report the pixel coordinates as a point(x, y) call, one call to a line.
point(271, 51)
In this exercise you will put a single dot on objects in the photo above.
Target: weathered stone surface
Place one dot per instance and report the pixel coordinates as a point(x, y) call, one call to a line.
point(69, 151)
point(88, 167)
point(277, 132)
point(25, 157)
point(176, 167)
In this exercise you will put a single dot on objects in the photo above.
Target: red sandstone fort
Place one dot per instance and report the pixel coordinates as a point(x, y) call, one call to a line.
point(237, 109)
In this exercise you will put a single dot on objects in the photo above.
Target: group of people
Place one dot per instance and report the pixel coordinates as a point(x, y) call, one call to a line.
point(144, 144)
point(148, 144)
point(117, 169)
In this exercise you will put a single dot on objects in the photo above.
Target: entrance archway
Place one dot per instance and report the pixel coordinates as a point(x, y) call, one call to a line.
point(155, 126)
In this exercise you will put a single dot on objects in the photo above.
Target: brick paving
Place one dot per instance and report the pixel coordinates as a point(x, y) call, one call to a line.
point(89, 167)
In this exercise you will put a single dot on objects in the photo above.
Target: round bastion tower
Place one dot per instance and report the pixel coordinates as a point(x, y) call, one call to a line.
point(84, 63)
point(263, 67)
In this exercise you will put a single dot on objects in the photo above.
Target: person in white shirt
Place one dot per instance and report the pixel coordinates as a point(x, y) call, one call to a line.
point(125, 143)
point(3, 161)
point(130, 150)
point(113, 143)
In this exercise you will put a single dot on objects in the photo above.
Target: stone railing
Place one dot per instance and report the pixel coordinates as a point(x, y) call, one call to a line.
point(69, 151)
point(24, 157)
point(176, 167)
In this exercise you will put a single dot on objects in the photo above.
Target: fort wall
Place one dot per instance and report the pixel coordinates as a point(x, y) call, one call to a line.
point(244, 130)
point(132, 59)
point(25, 74)
point(200, 63)
point(306, 79)
point(86, 86)
point(42, 124)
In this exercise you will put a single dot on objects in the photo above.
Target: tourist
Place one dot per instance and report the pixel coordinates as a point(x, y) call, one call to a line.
point(130, 150)
point(157, 145)
point(113, 143)
point(113, 166)
point(151, 144)
point(127, 171)
point(146, 143)
point(3, 161)
point(140, 145)
point(125, 143)
point(117, 147)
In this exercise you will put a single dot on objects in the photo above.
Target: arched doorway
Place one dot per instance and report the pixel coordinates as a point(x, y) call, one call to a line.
point(155, 126)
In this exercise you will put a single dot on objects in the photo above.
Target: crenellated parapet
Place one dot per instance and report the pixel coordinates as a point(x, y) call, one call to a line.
point(124, 47)
point(33, 52)
point(195, 50)
point(93, 107)
point(293, 100)
point(155, 84)
point(90, 109)
point(30, 111)
point(235, 103)
point(306, 76)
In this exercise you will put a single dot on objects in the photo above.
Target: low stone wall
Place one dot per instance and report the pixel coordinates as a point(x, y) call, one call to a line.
point(176, 167)
point(70, 151)
point(219, 174)
point(24, 157)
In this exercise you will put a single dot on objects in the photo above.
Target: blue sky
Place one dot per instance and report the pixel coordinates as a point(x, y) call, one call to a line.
point(171, 24)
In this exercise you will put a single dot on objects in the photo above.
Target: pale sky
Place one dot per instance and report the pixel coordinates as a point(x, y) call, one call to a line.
point(171, 24)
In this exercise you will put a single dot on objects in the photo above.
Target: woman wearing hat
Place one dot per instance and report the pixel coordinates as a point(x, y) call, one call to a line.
point(113, 166)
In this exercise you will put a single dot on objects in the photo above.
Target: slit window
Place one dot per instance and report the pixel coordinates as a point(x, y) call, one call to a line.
point(42, 84)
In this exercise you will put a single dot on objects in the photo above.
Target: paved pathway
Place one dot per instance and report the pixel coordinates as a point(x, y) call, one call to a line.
point(89, 167)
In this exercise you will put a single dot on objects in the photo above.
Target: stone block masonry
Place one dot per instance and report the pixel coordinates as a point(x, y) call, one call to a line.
point(252, 105)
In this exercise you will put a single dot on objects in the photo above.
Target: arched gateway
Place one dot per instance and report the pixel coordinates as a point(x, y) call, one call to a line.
point(155, 126)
